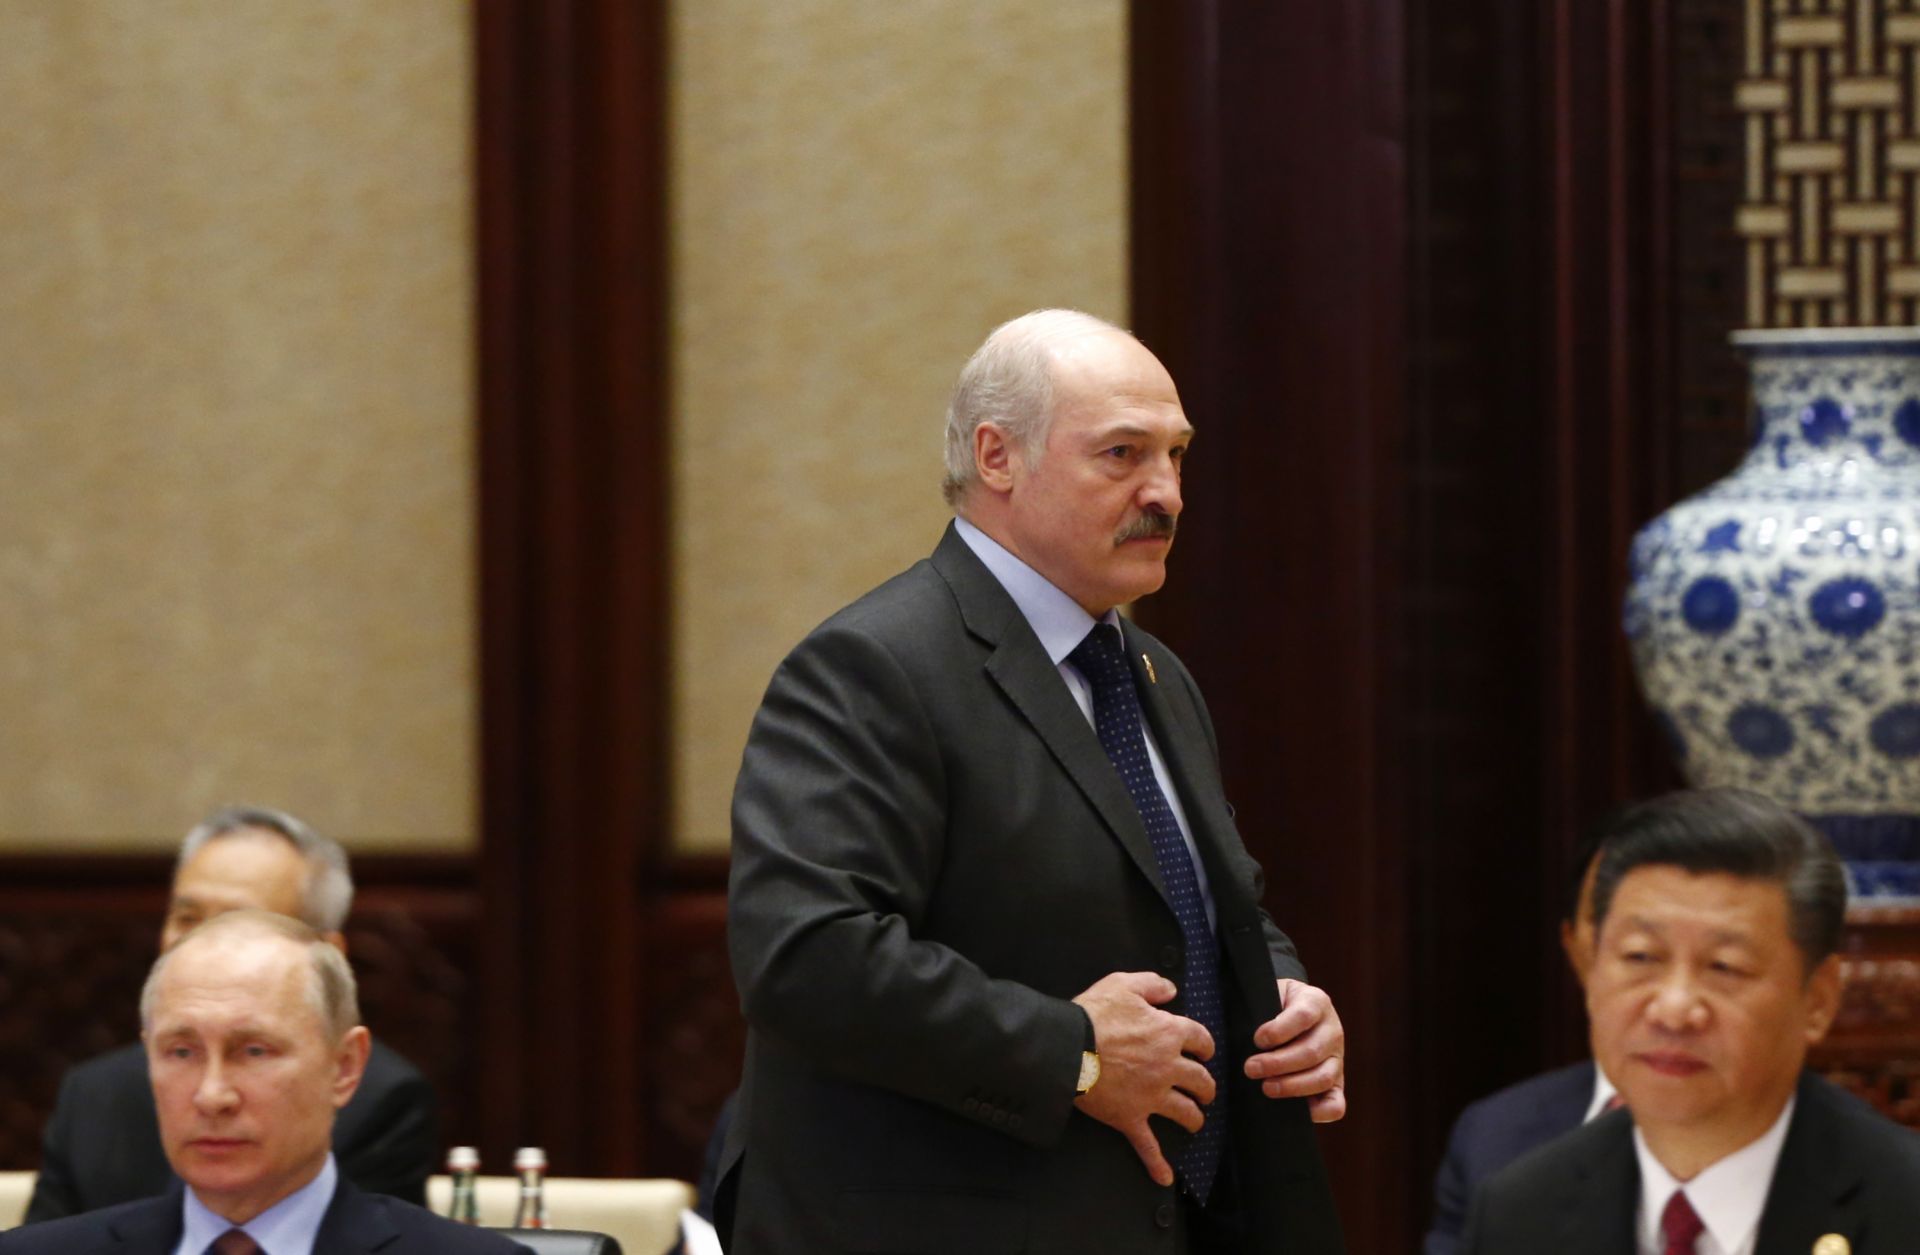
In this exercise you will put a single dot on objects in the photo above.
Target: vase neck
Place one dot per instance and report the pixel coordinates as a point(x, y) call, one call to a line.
point(1832, 407)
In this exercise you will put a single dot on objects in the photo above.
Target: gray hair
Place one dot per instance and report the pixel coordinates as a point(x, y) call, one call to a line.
point(329, 890)
point(1009, 382)
point(331, 990)
point(1738, 833)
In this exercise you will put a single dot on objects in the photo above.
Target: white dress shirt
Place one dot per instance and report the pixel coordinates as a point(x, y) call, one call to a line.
point(1603, 1093)
point(286, 1228)
point(1728, 1195)
point(1061, 624)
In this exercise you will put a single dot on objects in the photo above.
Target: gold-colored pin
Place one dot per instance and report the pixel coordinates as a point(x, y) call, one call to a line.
point(1833, 1244)
point(1154, 679)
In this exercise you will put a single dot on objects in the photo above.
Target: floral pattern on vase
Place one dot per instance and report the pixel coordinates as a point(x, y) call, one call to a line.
point(1774, 617)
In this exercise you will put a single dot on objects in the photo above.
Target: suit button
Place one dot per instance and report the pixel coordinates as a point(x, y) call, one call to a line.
point(999, 1119)
point(1014, 1122)
point(969, 1105)
point(1169, 959)
point(1163, 1215)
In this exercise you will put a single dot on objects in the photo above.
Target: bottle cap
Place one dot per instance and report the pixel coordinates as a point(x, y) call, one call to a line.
point(463, 1159)
point(529, 1157)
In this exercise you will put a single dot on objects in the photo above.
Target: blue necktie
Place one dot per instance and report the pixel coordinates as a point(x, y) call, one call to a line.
point(1116, 717)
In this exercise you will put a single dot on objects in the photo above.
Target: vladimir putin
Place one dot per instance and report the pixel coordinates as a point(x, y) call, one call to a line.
point(250, 1026)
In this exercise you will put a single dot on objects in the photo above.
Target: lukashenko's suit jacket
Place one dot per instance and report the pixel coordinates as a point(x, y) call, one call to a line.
point(102, 1145)
point(932, 854)
point(1844, 1169)
point(1495, 1131)
point(356, 1223)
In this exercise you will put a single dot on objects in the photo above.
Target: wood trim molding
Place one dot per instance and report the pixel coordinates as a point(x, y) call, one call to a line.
point(572, 381)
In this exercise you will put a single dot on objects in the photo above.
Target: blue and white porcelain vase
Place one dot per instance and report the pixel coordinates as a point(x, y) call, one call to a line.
point(1775, 616)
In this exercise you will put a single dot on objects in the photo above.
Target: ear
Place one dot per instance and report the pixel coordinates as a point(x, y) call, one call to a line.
point(350, 1063)
point(1578, 957)
point(993, 457)
point(1824, 988)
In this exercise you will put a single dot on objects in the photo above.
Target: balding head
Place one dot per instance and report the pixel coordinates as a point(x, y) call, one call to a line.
point(1010, 381)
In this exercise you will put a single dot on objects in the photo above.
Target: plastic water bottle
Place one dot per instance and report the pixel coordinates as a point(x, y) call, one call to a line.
point(531, 1163)
point(463, 1165)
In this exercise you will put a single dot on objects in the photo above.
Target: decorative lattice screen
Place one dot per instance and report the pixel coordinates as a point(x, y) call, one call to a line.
point(1830, 94)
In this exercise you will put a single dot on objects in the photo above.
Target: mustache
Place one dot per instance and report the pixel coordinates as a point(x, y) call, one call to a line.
point(1152, 525)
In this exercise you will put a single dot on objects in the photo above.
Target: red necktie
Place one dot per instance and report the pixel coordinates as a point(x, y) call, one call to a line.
point(234, 1242)
point(1680, 1224)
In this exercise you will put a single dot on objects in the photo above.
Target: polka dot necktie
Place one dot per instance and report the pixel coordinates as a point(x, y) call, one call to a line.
point(1680, 1224)
point(1116, 717)
point(234, 1242)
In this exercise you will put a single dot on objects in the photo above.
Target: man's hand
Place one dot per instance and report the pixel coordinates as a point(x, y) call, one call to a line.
point(1148, 1063)
point(1303, 1052)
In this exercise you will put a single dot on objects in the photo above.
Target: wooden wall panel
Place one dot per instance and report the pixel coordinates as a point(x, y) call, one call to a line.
point(78, 935)
point(693, 1055)
point(1269, 148)
point(1430, 278)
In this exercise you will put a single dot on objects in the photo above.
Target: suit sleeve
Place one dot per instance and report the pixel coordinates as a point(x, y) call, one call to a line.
point(55, 1192)
point(839, 827)
point(1471, 1240)
point(394, 1148)
point(1452, 1191)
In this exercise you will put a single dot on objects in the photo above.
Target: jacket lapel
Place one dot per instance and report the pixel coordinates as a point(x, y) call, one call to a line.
point(1815, 1188)
point(153, 1229)
point(1188, 762)
point(353, 1224)
point(1598, 1213)
point(1019, 667)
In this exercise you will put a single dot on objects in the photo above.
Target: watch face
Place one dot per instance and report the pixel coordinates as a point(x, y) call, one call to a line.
point(1089, 1070)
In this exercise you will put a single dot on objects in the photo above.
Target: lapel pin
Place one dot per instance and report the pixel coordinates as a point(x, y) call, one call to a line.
point(1833, 1244)
point(1154, 679)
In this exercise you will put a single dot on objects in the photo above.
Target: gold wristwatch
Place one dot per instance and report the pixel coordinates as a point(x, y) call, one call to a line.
point(1089, 1071)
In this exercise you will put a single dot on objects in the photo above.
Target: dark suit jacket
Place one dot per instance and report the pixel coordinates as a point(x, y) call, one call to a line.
point(1495, 1131)
point(931, 855)
point(1844, 1169)
point(355, 1224)
point(102, 1145)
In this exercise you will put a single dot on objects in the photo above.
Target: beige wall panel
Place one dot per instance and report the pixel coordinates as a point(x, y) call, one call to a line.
point(861, 191)
point(236, 544)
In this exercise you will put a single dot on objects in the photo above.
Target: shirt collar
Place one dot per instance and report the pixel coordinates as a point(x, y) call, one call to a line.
point(1728, 1195)
point(286, 1228)
point(1057, 619)
point(1603, 1093)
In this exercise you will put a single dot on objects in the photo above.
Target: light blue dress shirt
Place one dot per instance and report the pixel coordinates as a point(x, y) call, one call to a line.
point(1061, 624)
point(286, 1228)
